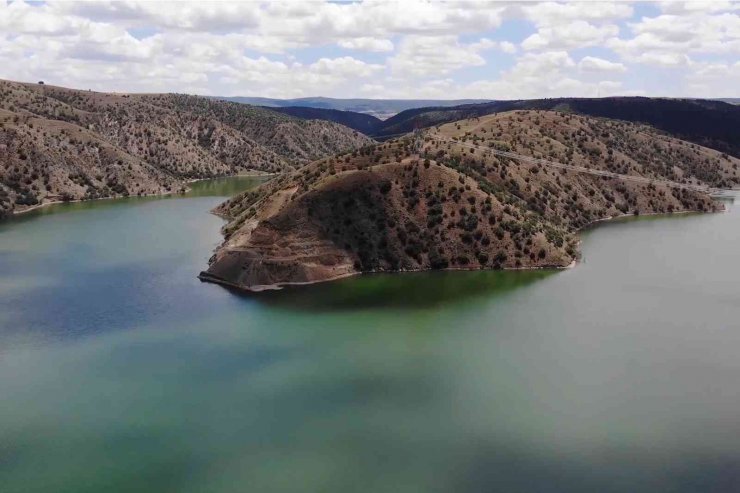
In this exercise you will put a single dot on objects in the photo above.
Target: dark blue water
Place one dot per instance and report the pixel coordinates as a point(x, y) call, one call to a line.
point(120, 371)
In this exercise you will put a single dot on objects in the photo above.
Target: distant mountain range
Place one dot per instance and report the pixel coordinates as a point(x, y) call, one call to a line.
point(380, 108)
point(711, 123)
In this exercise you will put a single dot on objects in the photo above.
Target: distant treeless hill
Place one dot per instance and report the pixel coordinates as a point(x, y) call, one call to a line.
point(66, 144)
point(445, 201)
point(381, 108)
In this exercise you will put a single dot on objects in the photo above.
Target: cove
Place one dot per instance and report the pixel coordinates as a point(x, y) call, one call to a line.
point(120, 371)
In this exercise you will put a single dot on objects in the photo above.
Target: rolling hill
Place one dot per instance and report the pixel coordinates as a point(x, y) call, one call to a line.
point(710, 123)
point(66, 144)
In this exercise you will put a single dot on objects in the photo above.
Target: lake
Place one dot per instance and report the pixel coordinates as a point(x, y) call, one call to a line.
point(120, 371)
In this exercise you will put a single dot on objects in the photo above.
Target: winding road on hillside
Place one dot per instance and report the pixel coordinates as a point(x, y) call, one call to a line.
point(581, 169)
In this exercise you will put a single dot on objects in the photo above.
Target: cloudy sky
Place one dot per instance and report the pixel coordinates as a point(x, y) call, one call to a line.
point(402, 49)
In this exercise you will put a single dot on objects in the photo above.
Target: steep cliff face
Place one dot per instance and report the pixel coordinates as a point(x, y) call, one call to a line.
point(444, 202)
point(58, 143)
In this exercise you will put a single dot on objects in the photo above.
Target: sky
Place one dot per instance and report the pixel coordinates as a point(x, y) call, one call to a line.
point(377, 49)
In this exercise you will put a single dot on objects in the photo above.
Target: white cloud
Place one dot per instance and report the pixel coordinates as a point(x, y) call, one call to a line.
point(669, 40)
point(436, 55)
point(711, 80)
point(367, 44)
point(537, 75)
point(594, 64)
point(22, 18)
point(433, 56)
point(534, 73)
point(565, 26)
point(507, 47)
point(191, 16)
point(698, 6)
point(553, 13)
point(576, 34)
point(344, 67)
point(313, 22)
point(414, 48)
point(373, 90)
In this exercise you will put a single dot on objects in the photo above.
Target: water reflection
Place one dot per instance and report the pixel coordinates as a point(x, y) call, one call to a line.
point(225, 187)
point(216, 187)
point(409, 290)
point(617, 376)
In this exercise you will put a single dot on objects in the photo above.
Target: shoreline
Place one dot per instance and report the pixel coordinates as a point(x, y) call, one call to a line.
point(78, 201)
point(251, 175)
point(186, 189)
point(204, 276)
point(596, 222)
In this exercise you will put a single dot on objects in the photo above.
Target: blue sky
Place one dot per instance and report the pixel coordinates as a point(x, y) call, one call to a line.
point(377, 48)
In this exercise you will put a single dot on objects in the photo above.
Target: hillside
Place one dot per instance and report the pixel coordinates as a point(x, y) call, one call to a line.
point(364, 123)
point(714, 124)
point(388, 207)
point(710, 123)
point(65, 144)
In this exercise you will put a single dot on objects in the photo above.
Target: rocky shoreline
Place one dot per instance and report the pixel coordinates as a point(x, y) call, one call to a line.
point(182, 191)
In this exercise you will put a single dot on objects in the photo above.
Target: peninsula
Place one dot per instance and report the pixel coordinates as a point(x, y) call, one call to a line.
point(504, 191)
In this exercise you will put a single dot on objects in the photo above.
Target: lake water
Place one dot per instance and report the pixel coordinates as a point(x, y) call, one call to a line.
point(120, 371)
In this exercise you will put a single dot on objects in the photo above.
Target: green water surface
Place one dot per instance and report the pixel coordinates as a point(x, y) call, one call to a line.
point(120, 371)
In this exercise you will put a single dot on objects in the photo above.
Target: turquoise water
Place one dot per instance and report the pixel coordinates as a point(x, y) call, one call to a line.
point(120, 371)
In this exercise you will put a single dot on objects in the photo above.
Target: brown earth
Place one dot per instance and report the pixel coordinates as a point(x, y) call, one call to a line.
point(66, 144)
point(428, 203)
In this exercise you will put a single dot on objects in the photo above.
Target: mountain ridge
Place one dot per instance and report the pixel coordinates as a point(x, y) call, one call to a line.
point(380, 108)
point(711, 123)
